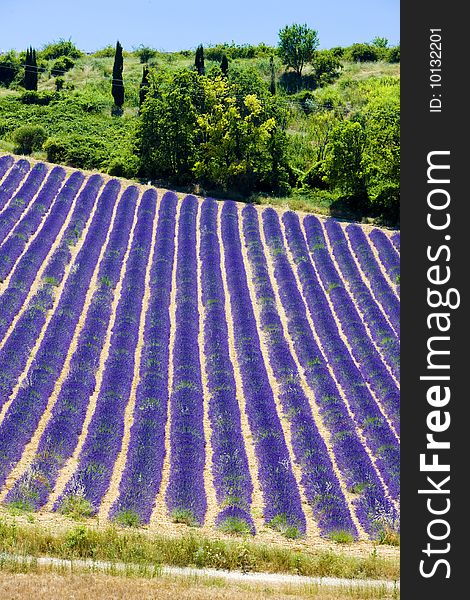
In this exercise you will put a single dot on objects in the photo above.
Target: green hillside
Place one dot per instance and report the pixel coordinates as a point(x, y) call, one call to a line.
point(327, 141)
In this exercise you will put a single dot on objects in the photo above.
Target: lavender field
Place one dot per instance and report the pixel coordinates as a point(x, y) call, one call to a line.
point(167, 358)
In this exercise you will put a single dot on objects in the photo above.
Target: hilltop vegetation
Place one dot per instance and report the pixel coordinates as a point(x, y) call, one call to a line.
point(248, 122)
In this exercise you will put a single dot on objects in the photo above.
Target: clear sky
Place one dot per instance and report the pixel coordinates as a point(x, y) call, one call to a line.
point(171, 25)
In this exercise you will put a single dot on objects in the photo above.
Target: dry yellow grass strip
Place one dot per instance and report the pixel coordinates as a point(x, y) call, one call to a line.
point(74, 250)
point(324, 432)
point(160, 511)
point(342, 392)
point(311, 526)
point(118, 469)
point(52, 584)
point(70, 466)
point(31, 448)
point(257, 503)
point(345, 339)
point(212, 504)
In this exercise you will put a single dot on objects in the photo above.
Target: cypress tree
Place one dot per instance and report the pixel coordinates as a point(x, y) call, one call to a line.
point(199, 60)
point(34, 71)
point(272, 85)
point(144, 85)
point(224, 64)
point(27, 72)
point(31, 70)
point(118, 85)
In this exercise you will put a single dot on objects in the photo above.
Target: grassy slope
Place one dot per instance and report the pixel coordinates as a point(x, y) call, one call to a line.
point(64, 538)
point(86, 111)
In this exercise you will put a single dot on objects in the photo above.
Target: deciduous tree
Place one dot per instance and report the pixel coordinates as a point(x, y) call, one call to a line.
point(297, 45)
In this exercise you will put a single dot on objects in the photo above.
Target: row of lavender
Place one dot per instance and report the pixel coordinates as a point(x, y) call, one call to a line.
point(347, 364)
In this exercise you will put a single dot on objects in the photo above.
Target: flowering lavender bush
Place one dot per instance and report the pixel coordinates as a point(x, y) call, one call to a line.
point(105, 432)
point(280, 492)
point(61, 434)
point(369, 361)
point(186, 494)
point(388, 255)
point(10, 214)
point(27, 407)
point(320, 483)
point(143, 471)
point(232, 479)
point(353, 461)
point(6, 162)
point(29, 264)
point(379, 285)
point(17, 172)
point(382, 333)
point(11, 248)
point(352, 379)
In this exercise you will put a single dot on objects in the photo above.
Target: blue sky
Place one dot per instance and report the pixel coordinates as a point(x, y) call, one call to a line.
point(179, 24)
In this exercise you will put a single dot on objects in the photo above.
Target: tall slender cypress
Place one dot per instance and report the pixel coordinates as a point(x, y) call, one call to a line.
point(272, 85)
point(144, 85)
point(199, 60)
point(224, 64)
point(34, 72)
point(118, 85)
point(31, 70)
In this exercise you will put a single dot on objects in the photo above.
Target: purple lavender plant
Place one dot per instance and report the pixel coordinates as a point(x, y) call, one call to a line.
point(389, 257)
point(143, 471)
point(11, 213)
point(18, 171)
point(231, 474)
point(378, 283)
point(186, 496)
point(352, 379)
point(30, 222)
point(352, 459)
point(369, 361)
point(106, 429)
point(61, 434)
point(280, 492)
point(320, 483)
point(27, 407)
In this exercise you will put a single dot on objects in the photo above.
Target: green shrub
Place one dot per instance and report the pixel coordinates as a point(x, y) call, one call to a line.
point(77, 151)
point(124, 166)
point(127, 518)
point(235, 525)
point(60, 48)
point(9, 67)
point(145, 53)
point(184, 515)
point(42, 98)
point(341, 536)
point(62, 65)
point(106, 52)
point(362, 53)
point(279, 523)
point(315, 177)
point(76, 506)
point(394, 55)
point(29, 138)
point(59, 83)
